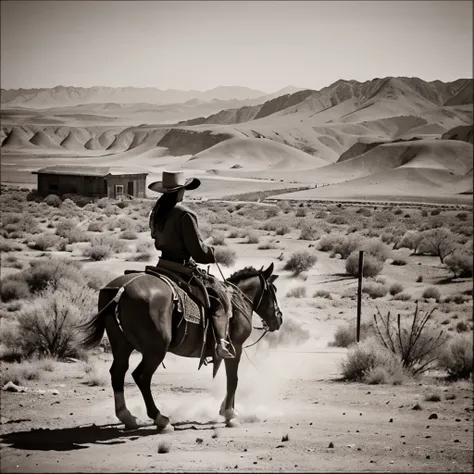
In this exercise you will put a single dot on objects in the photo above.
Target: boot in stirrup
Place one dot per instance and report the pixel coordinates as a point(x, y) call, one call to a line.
point(222, 351)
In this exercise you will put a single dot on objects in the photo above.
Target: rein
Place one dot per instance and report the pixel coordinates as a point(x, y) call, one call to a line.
point(250, 301)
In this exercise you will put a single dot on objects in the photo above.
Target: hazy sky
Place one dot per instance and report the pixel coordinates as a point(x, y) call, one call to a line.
point(264, 45)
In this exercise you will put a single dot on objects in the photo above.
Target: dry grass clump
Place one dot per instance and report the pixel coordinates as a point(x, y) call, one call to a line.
point(297, 292)
point(402, 297)
point(322, 294)
point(268, 246)
point(370, 362)
point(371, 265)
point(44, 242)
point(252, 237)
point(347, 335)
point(460, 264)
point(300, 261)
point(164, 447)
point(128, 234)
point(224, 255)
point(457, 357)
point(431, 293)
point(218, 238)
point(395, 289)
point(309, 230)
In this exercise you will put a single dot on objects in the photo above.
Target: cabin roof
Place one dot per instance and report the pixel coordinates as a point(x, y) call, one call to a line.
point(99, 171)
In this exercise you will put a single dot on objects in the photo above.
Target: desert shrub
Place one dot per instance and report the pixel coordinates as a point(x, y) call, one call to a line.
point(431, 292)
point(297, 292)
point(64, 227)
point(322, 294)
point(282, 229)
point(328, 242)
point(347, 335)
point(97, 279)
point(395, 288)
point(347, 245)
point(462, 326)
point(435, 212)
point(45, 241)
point(112, 243)
point(218, 238)
point(460, 264)
point(309, 231)
point(268, 246)
point(440, 242)
point(458, 298)
point(300, 261)
point(457, 356)
point(5, 246)
point(399, 261)
point(374, 290)
point(253, 237)
point(364, 211)
point(97, 252)
point(402, 297)
point(300, 213)
point(461, 216)
point(336, 219)
point(419, 279)
point(53, 272)
point(48, 323)
point(224, 255)
point(96, 227)
point(382, 218)
point(411, 340)
point(52, 200)
point(411, 240)
point(376, 248)
point(128, 235)
point(366, 357)
point(370, 268)
point(11, 289)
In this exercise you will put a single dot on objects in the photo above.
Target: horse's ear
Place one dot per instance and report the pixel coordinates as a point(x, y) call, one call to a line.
point(268, 271)
point(273, 278)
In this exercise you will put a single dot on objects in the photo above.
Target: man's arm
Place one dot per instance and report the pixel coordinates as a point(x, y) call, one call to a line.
point(198, 250)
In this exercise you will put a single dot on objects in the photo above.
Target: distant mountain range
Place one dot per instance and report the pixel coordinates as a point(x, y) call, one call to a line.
point(61, 96)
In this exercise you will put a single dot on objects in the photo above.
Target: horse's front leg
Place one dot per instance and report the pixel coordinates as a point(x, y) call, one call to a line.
point(227, 409)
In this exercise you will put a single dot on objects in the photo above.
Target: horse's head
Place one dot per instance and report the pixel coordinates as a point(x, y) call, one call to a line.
point(266, 303)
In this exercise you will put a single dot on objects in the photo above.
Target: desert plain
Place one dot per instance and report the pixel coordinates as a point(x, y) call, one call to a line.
point(311, 176)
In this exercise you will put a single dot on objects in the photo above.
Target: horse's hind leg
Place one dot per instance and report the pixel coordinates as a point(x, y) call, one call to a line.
point(227, 409)
point(121, 350)
point(142, 376)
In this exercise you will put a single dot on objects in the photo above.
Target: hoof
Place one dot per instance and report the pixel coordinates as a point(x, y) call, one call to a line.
point(128, 420)
point(163, 424)
point(228, 414)
point(169, 428)
point(232, 424)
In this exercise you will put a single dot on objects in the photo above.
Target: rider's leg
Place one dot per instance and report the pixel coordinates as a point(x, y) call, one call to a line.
point(220, 321)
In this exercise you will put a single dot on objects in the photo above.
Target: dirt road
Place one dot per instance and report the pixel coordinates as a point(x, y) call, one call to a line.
point(286, 394)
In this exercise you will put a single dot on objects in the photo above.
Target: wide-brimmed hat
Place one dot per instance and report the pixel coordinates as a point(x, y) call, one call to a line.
point(173, 181)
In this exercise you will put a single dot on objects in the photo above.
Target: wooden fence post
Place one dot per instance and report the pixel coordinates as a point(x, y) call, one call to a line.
point(359, 293)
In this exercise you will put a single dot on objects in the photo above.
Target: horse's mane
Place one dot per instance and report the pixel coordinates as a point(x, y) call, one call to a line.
point(246, 272)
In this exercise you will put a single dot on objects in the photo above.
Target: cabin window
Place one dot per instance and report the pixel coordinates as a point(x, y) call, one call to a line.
point(118, 189)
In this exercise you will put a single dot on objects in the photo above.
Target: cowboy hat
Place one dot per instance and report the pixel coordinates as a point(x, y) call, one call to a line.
point(173, 181)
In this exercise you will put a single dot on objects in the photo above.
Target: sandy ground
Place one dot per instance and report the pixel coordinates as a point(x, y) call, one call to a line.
point(293, 390)
point(372, 428)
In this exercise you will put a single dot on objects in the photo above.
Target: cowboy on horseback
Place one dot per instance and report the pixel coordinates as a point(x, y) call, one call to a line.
point(175, 231)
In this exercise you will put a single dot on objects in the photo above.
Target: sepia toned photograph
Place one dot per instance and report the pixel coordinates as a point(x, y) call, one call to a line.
point(236, 236)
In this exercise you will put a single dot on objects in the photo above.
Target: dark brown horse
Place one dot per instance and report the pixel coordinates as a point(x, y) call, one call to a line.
point(147, 317)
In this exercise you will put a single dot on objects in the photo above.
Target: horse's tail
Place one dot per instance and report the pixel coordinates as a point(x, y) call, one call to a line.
point(93, 329)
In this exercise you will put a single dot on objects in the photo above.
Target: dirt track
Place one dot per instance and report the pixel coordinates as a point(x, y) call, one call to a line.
point(294, 394)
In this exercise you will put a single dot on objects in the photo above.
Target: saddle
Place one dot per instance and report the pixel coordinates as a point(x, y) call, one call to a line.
point(185, 278)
